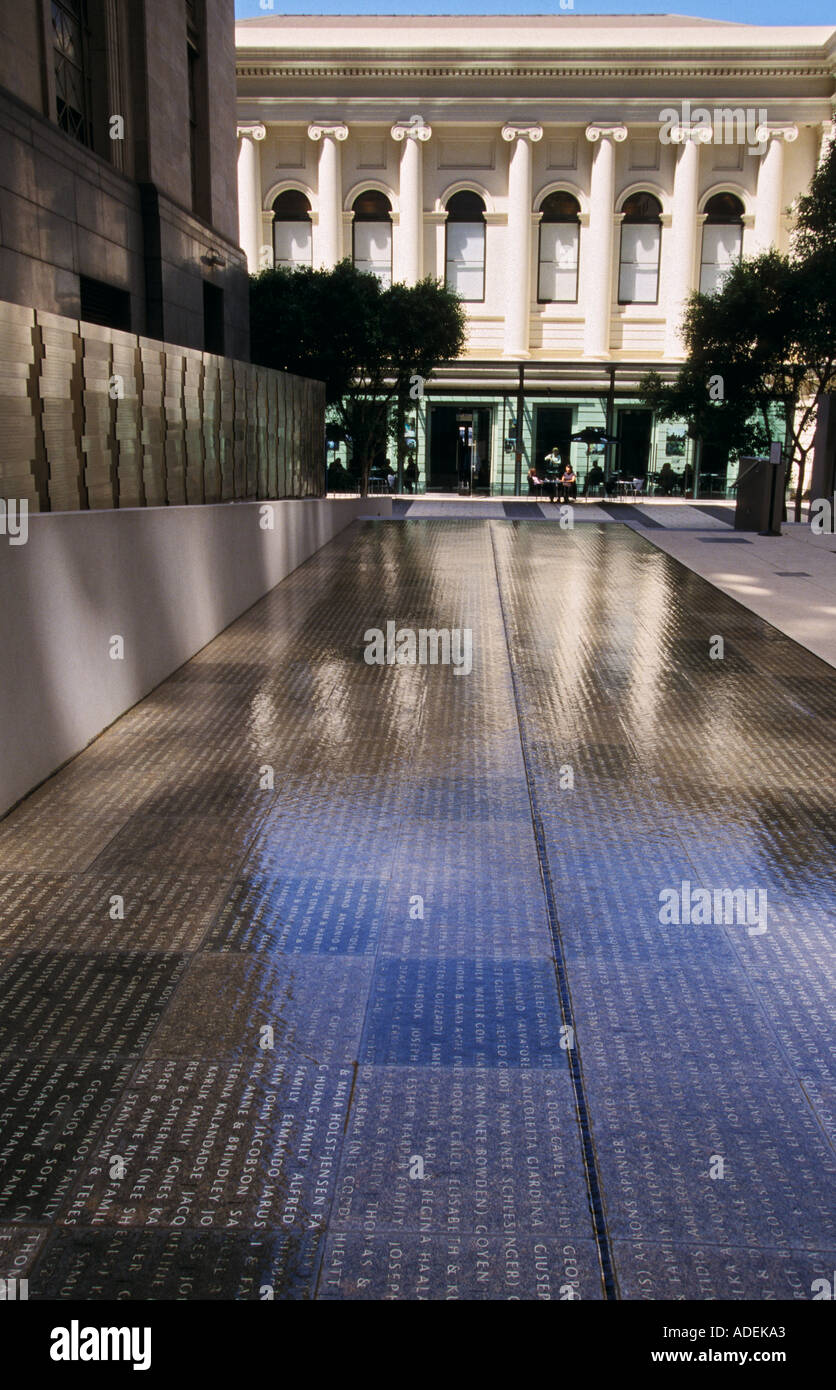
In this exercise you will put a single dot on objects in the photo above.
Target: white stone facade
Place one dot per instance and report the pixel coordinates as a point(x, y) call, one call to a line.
point(636, 123)
point(313, 121)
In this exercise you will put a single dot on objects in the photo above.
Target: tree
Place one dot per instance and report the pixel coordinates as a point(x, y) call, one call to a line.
point(371, 346)
point(764, 343)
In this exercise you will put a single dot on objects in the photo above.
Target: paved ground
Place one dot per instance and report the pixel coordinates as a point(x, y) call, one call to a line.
point(407, 1023)
point(788, 580)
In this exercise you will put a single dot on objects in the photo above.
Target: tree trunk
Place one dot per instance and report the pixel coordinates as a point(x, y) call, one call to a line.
point(802, 466)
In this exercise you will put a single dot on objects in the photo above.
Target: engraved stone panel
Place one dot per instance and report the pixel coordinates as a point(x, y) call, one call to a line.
point(460, 1150)
point(57, 1003)
point(181, 1264)
point(314, 1006)
point(453, 1267)
point(250, 1145)
point(311, 914)
point(470, 1013)
point(50, 1112)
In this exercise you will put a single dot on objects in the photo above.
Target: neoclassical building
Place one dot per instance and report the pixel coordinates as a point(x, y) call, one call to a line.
point(573, 177)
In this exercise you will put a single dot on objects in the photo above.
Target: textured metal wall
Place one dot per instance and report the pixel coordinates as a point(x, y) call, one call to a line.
point(95, 418)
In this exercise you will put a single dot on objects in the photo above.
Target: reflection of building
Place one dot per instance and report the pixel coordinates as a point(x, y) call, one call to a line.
point(547, 181)
point(117, 183)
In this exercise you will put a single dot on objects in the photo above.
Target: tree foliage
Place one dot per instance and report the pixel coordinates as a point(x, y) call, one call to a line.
point(768, 336)
point(369, 345)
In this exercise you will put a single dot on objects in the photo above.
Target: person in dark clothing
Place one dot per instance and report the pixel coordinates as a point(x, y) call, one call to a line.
point(593, 480)
point(568, 483)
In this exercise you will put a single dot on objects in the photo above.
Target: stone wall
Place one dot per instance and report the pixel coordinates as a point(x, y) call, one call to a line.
point(94, 418)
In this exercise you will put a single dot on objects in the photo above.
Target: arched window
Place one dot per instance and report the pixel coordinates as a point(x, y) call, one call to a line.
point(559, 240)
point(291, 229)
point(372, 235)
point(722, 240)
point(465, 253)
point(641, 246)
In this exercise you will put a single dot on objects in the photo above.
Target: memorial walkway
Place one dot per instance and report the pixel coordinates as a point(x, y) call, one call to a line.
point(321, 978)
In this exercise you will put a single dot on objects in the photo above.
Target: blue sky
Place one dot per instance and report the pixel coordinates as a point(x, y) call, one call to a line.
point(741, 11)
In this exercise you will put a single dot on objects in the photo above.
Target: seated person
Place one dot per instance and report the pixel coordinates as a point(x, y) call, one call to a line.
point(568, 483)
point(666, 480)
point(538, 485)
point(594, 479)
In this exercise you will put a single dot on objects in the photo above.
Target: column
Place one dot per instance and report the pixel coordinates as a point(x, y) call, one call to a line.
point(771, 184)
point(412, 134)
point(518, 246)
point(597, 254)
point(329, 189)
point(249, 191)
point(681, 253)
point(828, 134)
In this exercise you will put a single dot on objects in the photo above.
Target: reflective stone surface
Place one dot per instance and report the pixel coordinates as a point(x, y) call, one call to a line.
point(322, 979)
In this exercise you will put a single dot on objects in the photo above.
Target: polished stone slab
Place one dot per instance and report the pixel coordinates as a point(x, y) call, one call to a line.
point(90, 912)
point(314, 1006)
point(472, 1012)
point(51, 1110)
point(463, 1151)
point(19, 1246)
point(309, 914)
point(202, 1145)
point(667, 1270)
point(435, 1267)
point(176, 1264)
point(59, 1003)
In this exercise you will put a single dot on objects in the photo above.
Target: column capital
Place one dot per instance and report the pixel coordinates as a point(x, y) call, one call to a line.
point(598, 130)
point(514, 130)
point(251, 130)
point(828, 134)
point(691, 133)
point(337, 129)
point(415, 128)
point(784, 130)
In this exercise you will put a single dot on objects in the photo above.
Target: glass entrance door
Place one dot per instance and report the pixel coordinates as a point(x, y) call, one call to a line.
point(459, 449)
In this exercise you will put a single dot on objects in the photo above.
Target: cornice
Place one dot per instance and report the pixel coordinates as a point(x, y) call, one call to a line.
point(647, 62)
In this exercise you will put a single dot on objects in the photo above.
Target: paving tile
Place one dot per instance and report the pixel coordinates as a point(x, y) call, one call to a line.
point(668, 1270)
point(207, 1145)
point(314, 1006)
point(51, 1110)
point(472, 1012)
point(465, 1151)
point(59, 1003)
point(183, 1265)
point(429, 1266)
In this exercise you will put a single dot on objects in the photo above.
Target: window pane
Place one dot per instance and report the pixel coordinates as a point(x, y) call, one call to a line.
point(639, 272)
point(292, 243)
point(466, 258)
point(721, 246)
point(373, 249)
point(558, 261)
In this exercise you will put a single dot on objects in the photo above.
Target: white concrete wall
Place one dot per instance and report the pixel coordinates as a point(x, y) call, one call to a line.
point(166, 579)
